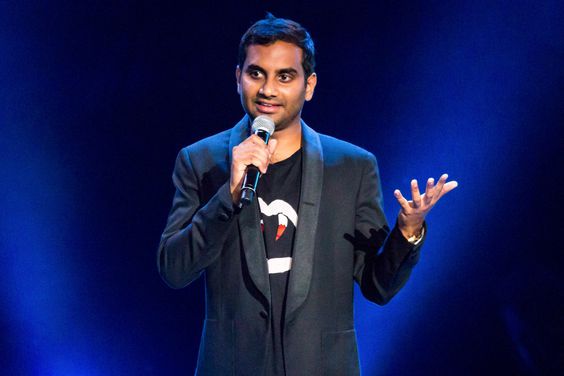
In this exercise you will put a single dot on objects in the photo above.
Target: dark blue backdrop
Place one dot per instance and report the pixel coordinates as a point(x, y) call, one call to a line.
point(96, 100)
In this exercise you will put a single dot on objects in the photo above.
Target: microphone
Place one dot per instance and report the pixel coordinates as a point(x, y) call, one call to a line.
point(263, 126)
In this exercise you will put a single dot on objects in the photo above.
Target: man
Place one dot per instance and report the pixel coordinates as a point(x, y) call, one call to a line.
point(279, 273)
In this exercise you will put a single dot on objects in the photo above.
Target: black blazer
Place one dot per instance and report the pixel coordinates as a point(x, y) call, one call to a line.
point(341, 226)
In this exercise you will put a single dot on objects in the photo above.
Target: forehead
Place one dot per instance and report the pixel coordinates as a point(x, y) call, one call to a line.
point(276, 56)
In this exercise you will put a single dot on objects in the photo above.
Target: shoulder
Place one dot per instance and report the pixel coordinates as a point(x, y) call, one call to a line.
point(208, 157)
point(209, 149)
point(339, 151)
point(209, 144)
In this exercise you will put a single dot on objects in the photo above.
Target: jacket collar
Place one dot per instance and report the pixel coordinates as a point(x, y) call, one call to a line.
point(308, 211)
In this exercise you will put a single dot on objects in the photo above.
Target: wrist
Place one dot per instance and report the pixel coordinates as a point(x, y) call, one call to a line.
point(235, 190)
point(235, 196)
point(412, 233)
point(416, 239)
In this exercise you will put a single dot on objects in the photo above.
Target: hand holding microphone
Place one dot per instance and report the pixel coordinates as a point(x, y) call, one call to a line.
point(251, 158)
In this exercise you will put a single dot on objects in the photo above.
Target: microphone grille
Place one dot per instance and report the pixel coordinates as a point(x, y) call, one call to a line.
point(263, 122)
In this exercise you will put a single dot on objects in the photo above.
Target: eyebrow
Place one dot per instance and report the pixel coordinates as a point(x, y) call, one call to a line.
point(253, 67)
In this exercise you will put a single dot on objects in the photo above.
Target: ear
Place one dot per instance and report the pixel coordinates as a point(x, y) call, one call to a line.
point(310, 86)
point(238, 76)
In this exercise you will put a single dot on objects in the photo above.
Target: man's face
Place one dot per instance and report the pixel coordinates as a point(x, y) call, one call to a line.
point(271, 82)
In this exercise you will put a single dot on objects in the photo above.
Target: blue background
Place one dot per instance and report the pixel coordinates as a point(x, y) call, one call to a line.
point(97, 98)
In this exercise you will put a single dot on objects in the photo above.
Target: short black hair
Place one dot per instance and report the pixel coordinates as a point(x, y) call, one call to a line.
point(271, 29)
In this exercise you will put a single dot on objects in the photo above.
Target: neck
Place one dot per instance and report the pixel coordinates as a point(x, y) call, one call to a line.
point(289, 141)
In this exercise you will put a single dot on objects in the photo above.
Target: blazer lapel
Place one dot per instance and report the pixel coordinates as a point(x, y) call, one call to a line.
point(308, 211)
point(249, 225)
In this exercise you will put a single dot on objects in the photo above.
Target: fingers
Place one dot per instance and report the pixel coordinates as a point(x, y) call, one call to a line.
point(415, 194)
point(401, 200)
point(440, 185)
point(255, 140)
point(449, 187)
point(421, 205)
point(433, 194)
point(429, 191)
point(259, 158)
point(272, 143)
point(245, 156)
point(252, 151)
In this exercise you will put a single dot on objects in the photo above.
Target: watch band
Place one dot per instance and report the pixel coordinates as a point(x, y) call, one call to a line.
point(416, 239)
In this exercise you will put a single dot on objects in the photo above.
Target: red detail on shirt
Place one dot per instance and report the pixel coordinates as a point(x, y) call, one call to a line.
point(280, 231)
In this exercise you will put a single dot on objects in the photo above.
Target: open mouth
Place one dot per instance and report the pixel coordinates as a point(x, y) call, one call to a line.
point(267, 107)
point(261, 103)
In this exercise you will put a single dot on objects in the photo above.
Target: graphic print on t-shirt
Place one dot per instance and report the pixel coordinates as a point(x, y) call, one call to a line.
point(280, 215)
point(283, 210)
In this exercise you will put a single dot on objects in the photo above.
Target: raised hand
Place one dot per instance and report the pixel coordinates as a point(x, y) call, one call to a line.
point(412, 213)
point(252, 151)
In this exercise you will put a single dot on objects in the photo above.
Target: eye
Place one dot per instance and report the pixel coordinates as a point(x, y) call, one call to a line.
point(285, 77)
point(255, 74)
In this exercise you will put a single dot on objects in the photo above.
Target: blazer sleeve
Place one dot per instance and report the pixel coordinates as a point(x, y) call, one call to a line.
point(380, 274)
point(195, 232)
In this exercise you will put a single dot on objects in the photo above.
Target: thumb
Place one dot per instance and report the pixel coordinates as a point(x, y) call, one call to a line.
point(272, 145)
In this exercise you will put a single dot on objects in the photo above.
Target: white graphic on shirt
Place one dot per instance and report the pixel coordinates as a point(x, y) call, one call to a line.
point(285, 212)
point(279, 265)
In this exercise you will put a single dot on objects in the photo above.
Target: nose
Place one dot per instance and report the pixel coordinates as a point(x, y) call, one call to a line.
point(268, 89)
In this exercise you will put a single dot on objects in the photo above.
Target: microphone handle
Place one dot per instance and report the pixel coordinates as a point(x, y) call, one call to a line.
point(249, 185)
point(250, 182)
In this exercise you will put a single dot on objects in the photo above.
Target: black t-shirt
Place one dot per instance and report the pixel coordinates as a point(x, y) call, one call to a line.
point(278, 195)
